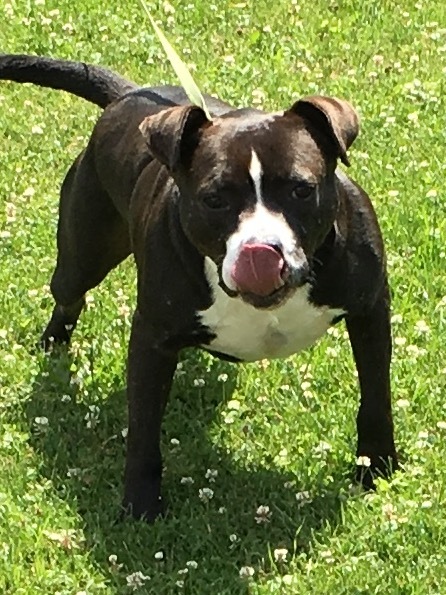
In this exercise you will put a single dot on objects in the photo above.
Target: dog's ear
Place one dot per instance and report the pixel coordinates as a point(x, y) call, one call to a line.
point(336, 118)
point(173, 134)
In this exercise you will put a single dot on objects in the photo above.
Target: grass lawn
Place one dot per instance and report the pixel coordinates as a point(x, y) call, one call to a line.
point(279, 435)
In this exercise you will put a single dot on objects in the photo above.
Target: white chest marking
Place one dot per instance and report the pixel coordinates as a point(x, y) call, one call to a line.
point(250, 334)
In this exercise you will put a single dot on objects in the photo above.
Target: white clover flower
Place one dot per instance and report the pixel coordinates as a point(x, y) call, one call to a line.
point(422, 327)
point(186, 481)
point(222, 377)
point(280, 554)
point(363, 461)
point(303, 498)
point(199, 382)
point(73, 472)
point(233, 538)
point(174, 442)
point(246, 572)
point(287, 579)
point(136, 580)
point(66, 538)
point(233, 404)
point(205, 494)
point(159, 555)
point(327, 555)
point(168, 8)
point(113, 560)
point(322, 447)
point(263, 514)
point(92, 416)
point(423, 439)
point(192, 564)
point(402, 403)
point(41, 422)
point(389, 510)
point(211, 475)
point(378, 59)
point(331, 351)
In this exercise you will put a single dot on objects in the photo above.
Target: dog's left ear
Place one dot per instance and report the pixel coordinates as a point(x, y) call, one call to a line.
point(336, 118)
point(173, 134)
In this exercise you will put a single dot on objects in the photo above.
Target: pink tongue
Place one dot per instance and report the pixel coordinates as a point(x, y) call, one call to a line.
point(258, 269)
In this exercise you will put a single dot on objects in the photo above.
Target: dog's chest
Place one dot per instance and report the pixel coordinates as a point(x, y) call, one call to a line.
point(251, 334)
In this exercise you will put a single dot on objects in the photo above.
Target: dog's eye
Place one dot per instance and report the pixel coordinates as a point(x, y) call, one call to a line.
point(302, 190)
point(215, 202)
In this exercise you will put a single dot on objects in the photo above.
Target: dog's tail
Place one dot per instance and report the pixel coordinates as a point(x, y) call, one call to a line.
point(93, 83)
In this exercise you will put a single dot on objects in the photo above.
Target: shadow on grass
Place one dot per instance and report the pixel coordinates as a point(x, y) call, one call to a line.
point(83, 454)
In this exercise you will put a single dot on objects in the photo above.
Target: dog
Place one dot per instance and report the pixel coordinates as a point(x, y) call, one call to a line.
point(249, 242)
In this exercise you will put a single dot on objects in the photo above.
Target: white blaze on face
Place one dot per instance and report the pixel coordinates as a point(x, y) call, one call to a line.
point(255, 171)
point(261, 226)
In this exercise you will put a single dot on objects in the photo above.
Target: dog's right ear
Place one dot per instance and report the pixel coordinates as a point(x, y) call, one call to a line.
point(173, 134)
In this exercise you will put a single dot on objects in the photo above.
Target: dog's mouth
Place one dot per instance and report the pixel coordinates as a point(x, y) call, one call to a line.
point(273, 300)
point(262, 276)
point(260, 269)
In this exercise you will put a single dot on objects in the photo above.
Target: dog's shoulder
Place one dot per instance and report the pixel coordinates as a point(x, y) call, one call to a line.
point(173, 95)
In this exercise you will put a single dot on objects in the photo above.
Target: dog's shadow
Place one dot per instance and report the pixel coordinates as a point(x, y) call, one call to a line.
point(83, 448)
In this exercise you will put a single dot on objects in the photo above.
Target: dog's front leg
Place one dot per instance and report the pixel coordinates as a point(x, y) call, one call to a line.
point(150, 374)
point(370, 338)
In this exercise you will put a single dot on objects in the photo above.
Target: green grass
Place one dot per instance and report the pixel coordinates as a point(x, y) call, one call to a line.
point(270, 432)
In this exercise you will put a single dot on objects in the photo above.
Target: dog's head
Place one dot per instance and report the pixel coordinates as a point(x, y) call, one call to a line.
point(257, 191)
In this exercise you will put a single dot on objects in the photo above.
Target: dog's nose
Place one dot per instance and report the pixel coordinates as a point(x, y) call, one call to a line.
point(260, 269)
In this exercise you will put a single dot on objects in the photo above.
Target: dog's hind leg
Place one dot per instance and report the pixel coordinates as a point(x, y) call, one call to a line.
point(92, 239)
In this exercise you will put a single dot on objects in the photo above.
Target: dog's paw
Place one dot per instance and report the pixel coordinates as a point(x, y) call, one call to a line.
point(369, 468)
point(49, 342)
point(55, 334)
point(147, 511)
